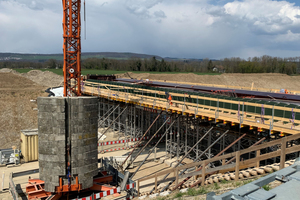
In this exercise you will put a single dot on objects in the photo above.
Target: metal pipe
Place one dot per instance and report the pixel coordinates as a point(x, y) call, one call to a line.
point(2, 186)
point(151, 150)
point(146, 144)
point(185, 156)
point(186, 179)
point(197, 158)
point(232, 159)
point(141, 138)
point(112, 123)
point(109, 115)
point(197, 182)
point(107, 111)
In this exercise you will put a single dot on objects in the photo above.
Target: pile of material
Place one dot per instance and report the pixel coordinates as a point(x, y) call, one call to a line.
point(17, 111)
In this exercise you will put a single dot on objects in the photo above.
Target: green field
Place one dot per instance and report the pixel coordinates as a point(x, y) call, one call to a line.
point(84, 55)
point(83, 72)
point(108, 72)
point(198, 73)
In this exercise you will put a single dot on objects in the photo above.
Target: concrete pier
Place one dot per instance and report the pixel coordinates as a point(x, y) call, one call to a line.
point(67, 134)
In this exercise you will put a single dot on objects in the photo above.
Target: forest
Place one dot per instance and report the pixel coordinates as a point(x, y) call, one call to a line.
point(263, 64)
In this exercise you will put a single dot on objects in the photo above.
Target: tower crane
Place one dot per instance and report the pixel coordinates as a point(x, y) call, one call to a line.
point(72, 47)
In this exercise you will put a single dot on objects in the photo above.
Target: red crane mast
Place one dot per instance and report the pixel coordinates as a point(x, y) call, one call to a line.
point(72, 47)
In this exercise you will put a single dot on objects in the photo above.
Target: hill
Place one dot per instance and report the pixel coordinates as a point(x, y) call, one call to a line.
point(85, 55)
point(59, 57)
point(17, 111)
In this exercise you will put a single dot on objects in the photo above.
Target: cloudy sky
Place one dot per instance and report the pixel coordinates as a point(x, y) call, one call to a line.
point(168, 28)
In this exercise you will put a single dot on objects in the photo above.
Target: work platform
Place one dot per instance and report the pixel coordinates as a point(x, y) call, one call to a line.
point(190, 124)
point(273, 117)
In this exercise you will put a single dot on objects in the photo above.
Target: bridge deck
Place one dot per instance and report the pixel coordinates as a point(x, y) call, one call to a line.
point(255, 114)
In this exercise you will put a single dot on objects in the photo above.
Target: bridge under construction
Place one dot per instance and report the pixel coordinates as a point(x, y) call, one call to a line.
point(203, 135)
point(145, 99)
point(197, 122)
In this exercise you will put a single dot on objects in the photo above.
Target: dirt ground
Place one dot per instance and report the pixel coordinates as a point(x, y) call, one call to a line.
point(20, 182)
point(270, 81)
point(43, 78)
point(18, 89)
point(17, 112)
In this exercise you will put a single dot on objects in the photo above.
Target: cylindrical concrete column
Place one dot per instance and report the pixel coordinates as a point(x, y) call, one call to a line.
point(67, 129)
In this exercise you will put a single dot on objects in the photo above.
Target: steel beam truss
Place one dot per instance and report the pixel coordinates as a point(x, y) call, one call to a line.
point(72, 47)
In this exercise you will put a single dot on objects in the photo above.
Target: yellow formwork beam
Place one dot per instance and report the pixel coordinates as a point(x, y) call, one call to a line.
point(204, 112)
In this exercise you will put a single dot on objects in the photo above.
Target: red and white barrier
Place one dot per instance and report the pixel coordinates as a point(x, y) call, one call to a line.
point(130, 186)
point(123, 148)
point(106, 193)
point(124, 141)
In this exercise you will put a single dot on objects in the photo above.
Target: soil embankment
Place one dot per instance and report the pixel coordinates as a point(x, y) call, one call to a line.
point(16, 91)
point(270, 81)
point(16, 110)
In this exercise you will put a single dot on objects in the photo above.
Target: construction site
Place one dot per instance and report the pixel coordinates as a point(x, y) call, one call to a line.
point(160, 136)
point(125, 137)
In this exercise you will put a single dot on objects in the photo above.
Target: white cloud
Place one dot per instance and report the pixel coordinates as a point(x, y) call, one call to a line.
point(143, 8)
point(28, 29)
point(288, 37)
point(175, 28)
point(264, 16)
point(160, 14)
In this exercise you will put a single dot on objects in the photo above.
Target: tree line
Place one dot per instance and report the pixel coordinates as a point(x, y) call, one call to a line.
point(263, 64)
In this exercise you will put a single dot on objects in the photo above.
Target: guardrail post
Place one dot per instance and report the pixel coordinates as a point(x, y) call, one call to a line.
point(282, 155)
point(257, 154)
point(176, 181)
point(237, 165)
point(12, 187)
point(155, 191)
point(2, 187)
point(203, 173)
point(138, 187)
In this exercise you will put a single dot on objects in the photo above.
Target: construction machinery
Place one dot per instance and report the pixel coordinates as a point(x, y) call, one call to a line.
point(67, 182)
point(72, 47)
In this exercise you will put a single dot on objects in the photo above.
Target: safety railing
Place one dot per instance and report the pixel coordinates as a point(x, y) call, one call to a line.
point(286, 148)
point(235, 87)
point(260, 114)
point(12, 187)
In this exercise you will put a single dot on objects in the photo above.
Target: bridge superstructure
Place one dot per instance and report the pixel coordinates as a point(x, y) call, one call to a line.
point(194, 124)
point(274, 118)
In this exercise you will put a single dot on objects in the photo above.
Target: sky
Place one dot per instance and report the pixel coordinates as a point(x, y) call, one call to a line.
point(212, 29)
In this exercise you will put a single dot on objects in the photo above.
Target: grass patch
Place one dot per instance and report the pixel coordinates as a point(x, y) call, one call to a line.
point(179, 194)
point(266, 187)
point(83, 72)
point(247, 181)
point(224, 181)
point(198, 73)
point(216, 186)
point(162, 198)
point(202, 190)
point(96, 71)
point(237, 184)
point(109, 72)
point(194, 192)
